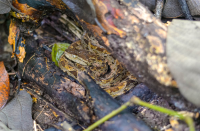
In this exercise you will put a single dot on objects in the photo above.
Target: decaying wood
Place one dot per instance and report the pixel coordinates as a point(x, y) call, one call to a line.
point(51, 79)
point(143, 49)
point(96, 104)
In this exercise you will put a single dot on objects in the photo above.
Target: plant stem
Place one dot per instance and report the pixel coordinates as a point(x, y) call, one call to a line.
point(180, 116)
point(110, 115)
point(136, 100)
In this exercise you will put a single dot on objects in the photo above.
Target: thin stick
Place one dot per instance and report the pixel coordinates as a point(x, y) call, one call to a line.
point(34, 125)
point(159, 8)
point(11, 73)
point(68, 117)
point(185, 9)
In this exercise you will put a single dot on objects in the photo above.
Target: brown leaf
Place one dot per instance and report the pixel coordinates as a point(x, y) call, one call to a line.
point(4, 85)
point(16, 115)
point(5, 6)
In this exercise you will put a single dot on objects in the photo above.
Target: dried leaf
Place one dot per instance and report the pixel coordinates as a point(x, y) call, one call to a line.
point(16, 115)
point(5, 6)
point(4, 85)
point(194, 6)
point(183, 57)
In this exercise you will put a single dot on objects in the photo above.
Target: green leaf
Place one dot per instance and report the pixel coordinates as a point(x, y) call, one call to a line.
point(57, 50)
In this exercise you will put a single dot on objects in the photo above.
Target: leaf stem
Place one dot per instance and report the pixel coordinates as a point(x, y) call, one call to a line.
point(110, 115)
point(188, 120)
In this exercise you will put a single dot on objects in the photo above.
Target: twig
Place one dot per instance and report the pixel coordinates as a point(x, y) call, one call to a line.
point(68, 117)
point(105, 118)
point(34, 125)
point(68, 126)
point(185, 9)
point(72, 27)
point(39, 127)
point(159, 8)
point(11, 73)
point(46, 47)
point(40, 112)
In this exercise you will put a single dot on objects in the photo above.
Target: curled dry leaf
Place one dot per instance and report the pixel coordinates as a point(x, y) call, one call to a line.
point(4, 85)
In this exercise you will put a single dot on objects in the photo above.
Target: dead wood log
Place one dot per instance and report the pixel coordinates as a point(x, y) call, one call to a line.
point(51, 79)
point(138, 40)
